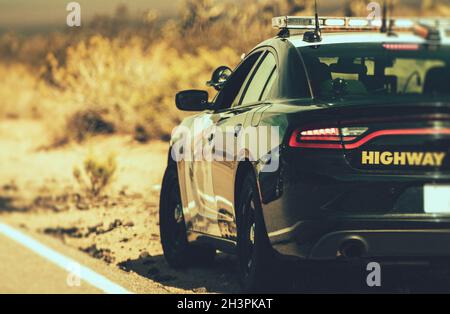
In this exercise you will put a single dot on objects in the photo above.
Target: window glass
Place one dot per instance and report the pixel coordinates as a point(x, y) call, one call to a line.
point(377, 71)
point(247, 79)
point(269, 85)
point(411, 73)
point(226, 97)
point(260, 80)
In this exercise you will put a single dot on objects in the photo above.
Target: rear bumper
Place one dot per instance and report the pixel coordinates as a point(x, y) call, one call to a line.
point(317, 202)
point(330, 243)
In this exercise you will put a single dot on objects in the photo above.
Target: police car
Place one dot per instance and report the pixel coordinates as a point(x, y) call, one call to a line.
point(361, 109)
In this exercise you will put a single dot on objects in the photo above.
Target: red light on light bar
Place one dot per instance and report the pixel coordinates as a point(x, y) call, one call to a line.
point(406, 47)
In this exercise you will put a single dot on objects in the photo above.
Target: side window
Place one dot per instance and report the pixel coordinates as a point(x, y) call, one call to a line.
point(262, 81)
point(226, 97)
point(242, 90)
point(270, 83)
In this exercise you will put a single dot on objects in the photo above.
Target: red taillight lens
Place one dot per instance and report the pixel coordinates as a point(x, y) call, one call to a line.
point(316, 138)
point(351, 137)
point(319, 133)
point(329, 138)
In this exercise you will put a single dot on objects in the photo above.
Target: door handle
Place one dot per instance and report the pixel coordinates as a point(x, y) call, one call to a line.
point(237, 129)
point(211, 137)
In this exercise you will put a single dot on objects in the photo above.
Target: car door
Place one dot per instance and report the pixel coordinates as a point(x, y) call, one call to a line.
point(199, 203)
point(231, 124)
point(200, 206)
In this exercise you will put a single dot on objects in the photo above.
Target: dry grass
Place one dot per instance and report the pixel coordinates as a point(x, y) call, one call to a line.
point(125, 70)
point(119, 74)
point(131, 85)
point(97, 174)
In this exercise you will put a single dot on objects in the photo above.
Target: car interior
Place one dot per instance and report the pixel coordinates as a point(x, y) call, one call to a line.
point(358, 80)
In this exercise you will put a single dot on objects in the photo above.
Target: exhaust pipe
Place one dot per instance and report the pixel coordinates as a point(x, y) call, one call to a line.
point(353, 248)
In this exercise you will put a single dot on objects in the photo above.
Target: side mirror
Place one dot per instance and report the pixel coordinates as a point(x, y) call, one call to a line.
point(220, 77)
point(192, 100)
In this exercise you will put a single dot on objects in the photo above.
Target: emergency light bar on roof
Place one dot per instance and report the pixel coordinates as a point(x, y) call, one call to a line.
point(353, 23)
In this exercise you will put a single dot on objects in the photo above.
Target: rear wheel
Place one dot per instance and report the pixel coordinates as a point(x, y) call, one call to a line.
point(177, 250)
point(255, 255)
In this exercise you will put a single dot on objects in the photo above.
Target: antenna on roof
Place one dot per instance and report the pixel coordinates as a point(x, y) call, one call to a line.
point(316, 15)
point(390, 30)
point(316, 35)
point(384, 27)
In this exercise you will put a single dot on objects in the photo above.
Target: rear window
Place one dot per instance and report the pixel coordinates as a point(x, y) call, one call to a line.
point(346, 71)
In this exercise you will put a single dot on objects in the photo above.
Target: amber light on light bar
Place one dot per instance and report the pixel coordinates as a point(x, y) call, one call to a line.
point(354, 23)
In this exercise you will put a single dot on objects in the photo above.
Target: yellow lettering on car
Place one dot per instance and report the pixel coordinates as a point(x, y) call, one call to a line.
point(414, 159)
point(368, 158)
point(399, 159)
point(429, 159)
point(386, 158)
point(439, 158)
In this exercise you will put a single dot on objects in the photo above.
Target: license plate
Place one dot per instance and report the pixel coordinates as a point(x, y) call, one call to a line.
point(436, 199)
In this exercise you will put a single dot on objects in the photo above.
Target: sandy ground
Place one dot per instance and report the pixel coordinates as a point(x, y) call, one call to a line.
point(118, 234)
point(38, 194)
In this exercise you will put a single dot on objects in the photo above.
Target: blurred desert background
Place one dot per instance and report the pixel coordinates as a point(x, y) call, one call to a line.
point(86, 114)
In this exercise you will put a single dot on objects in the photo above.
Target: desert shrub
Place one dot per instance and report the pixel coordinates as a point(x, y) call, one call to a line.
point(121, 72)
point(87, 123)
point(131, 85)
point(96, 175)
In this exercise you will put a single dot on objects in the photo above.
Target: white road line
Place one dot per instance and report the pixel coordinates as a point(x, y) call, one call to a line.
point(62, 261)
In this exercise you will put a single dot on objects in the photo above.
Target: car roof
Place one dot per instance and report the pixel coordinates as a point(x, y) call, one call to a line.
point(359, 37)
point(356, 37)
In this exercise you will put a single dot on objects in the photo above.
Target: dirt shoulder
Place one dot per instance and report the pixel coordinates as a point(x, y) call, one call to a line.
point(39, 194)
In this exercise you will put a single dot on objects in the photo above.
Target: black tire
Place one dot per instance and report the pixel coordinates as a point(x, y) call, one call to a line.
point(255, 255)
point(177, 250)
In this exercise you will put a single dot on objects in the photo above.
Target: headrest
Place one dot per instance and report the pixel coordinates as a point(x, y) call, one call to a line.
point(437, 81)
point(347, 66)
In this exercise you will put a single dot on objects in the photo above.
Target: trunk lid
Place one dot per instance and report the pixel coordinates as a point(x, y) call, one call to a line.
point(399, 138)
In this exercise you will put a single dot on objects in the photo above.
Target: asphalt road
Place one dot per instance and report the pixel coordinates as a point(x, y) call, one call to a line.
point(24, 271)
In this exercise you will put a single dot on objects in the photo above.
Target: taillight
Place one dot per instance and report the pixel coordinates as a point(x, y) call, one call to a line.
point(353, 131)
point(328, 138)
point(351, 137)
